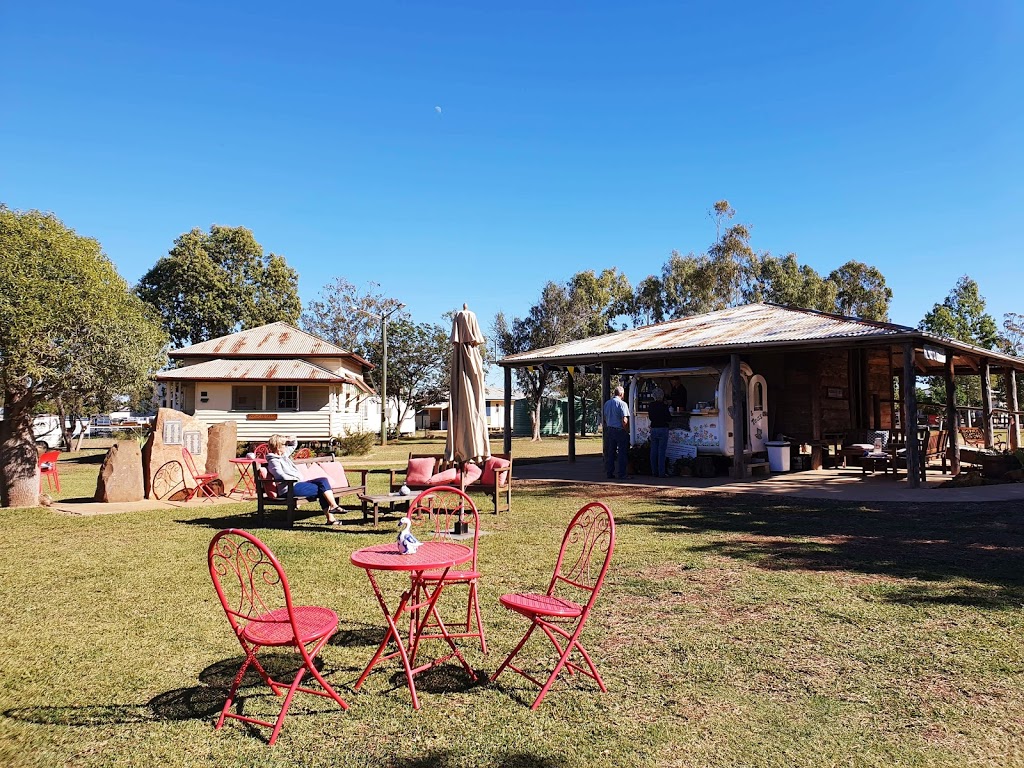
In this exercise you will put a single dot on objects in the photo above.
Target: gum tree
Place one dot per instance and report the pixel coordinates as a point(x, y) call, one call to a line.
point(69, 326)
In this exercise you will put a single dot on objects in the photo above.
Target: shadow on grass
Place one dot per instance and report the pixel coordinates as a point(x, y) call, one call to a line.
point(977, 546)
point(352, 523)
point(197, 702)
point(443, 758)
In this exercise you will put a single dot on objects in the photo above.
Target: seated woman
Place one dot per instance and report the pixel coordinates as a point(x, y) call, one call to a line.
point(281, 467)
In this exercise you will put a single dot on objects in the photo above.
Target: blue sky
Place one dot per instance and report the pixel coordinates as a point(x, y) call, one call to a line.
point(570, 136)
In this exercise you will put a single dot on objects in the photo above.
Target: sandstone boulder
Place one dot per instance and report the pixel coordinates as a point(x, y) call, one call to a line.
point(163, 464)
point(222, 446)
point(120, 477)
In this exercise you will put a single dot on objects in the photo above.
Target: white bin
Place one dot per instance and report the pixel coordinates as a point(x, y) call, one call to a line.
point(778, 456)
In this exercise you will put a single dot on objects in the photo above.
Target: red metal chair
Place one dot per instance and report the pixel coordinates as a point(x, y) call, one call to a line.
point(435, 513)
point(48, 469)
point(302, 453)
point(261, 451)
point(203, 480)
point(580, 570)
point(254, 592)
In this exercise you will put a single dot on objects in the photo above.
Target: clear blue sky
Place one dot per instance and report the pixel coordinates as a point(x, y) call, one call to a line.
point(570, 136)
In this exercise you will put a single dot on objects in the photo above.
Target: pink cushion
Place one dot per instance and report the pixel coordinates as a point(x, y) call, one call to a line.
point(419, 471)
point(472, 473)
point(310, 471)
point(269, 487)
point(448, 477)
point(492, 463)
point(335, 472)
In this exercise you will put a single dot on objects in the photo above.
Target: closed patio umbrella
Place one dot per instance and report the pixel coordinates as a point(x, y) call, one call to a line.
point(467, 420)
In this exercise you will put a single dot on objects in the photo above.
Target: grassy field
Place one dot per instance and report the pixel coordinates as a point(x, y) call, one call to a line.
point(732, 632)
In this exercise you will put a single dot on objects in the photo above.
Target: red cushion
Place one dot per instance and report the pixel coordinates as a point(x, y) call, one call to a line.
point(472, 473)
point(448, 477)
point(419, 471)
point(334, 472)
point(269, 487)
point(492, 463)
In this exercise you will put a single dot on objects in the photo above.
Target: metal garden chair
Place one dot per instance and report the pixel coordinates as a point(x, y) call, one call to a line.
point(254, 592)
point(203, 480)
point(435, 513)
point(579, 572)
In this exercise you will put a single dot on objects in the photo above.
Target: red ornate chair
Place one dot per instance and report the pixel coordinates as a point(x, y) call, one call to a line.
point(302, 453)
point(435, 513)
point(48, 469)
point(203, 480)
point(261, 451)
point(254, 592)
point(579, 572)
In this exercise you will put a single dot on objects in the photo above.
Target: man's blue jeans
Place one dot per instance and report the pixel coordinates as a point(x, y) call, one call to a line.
point(617, 444)
point(659, 445)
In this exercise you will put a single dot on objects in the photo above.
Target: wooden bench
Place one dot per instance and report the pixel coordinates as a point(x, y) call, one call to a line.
point(500, 489)
point(288, 501)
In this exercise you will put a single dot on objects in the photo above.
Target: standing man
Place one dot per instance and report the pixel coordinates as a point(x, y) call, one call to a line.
point(616, 424)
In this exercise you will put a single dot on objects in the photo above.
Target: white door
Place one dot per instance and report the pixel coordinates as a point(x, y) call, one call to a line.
point(757, 404)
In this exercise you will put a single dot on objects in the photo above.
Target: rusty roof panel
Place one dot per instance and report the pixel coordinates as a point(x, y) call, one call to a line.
point(273, 339)
point(741, 326)
point(298, 371)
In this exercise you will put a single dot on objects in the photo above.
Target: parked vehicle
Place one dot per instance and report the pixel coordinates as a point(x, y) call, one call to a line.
point(47, 432)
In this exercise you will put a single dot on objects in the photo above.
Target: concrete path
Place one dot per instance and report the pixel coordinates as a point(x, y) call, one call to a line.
point(836, 484)
point(89, 508)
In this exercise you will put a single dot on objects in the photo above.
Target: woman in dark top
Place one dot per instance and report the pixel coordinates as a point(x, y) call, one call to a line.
point(659, 416)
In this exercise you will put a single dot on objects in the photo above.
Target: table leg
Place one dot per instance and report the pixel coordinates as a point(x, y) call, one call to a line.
point(391, 633)
point(432, 611)
point(243, 480)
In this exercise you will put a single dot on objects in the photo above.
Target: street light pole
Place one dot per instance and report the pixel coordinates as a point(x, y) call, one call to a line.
point(384, 366)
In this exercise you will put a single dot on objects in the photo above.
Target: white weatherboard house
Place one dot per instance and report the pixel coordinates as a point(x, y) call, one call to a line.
point(274, 378)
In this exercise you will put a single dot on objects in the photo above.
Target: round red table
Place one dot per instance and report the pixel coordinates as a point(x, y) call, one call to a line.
point(430, 556)
point(244, 478)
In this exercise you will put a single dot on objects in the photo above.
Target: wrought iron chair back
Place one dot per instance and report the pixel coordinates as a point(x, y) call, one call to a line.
point(249, 580)
point(261, 451)
point(586, 553)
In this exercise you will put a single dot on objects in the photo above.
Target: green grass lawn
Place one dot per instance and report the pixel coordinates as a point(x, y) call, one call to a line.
point(732, 632)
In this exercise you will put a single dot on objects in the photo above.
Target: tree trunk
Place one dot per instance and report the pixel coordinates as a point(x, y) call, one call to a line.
point(62, 424)
point(535, 418)
point(19, 461)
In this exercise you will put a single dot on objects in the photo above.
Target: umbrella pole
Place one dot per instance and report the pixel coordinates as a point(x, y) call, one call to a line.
point(459, 526)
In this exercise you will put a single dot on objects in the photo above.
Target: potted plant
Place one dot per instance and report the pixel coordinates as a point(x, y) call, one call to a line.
point(638, 459)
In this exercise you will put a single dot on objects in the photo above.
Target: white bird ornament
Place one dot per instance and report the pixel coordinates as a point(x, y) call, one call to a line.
point(407, 543)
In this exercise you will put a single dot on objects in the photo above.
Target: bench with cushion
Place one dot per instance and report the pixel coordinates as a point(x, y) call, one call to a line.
point(319, 466)
point(493, 477)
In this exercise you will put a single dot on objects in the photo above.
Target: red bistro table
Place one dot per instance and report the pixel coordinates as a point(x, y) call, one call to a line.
point(431, 556)
point(244, 478)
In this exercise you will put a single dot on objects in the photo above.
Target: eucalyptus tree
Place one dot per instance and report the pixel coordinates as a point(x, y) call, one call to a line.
point(215, 283)
point(70, 328)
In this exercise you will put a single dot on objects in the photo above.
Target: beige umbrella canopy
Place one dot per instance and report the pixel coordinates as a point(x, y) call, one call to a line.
point(467, 421)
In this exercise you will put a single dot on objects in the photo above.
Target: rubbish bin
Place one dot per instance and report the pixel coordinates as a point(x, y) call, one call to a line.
point(778, 455)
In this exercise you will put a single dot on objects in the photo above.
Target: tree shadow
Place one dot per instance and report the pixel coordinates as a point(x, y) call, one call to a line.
point(251, 521)
point(934, 543)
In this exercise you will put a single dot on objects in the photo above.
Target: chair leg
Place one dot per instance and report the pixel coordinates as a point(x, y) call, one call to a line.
point(474, 608)
point(515, 650)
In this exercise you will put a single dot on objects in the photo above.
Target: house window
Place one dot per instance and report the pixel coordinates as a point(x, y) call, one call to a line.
point(247, 398)
point(288, 398)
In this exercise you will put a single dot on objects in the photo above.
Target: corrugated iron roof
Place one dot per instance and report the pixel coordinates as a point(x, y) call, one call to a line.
point(297, 371)
point(273, 340)
point(746, 325)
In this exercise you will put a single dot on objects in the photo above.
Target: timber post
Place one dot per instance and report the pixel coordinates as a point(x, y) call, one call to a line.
point(739, 412)
point(570, 382)
point(986, 402)
point(910, 417)
point(952, 426)
point(506, 439)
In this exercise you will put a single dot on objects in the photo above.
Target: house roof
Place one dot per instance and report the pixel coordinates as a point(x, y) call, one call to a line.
point(740, 328)
point(273, 340)
point(291, 371)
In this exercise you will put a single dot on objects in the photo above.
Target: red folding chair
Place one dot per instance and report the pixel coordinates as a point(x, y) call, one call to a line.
point(48, 469)
point(579, 572)
point(253, 589)
point(261, 451)
point(203, 480)
point(435, 513)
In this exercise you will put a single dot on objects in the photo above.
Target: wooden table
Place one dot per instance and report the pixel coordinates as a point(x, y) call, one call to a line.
point(378, 500)
point(431, 556)
point(876, 461)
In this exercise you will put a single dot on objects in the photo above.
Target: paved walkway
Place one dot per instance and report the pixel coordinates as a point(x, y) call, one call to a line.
point(836, 484)
point(89, 508)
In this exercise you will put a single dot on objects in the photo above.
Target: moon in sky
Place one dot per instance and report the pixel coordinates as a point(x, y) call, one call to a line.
point(438, 110)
